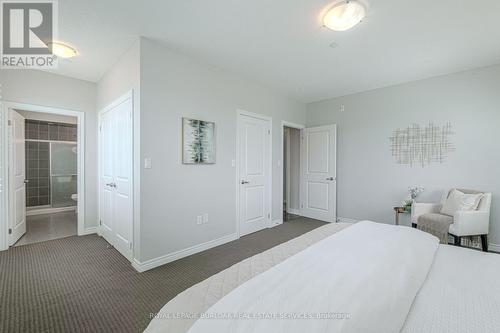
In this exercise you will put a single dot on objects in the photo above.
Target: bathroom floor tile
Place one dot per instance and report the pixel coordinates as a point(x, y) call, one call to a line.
point(40, 228)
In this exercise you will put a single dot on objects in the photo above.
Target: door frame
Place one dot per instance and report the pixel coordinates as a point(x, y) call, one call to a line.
point(135, 174)
point(239, 114)
point(5, 107)
point(300, 127)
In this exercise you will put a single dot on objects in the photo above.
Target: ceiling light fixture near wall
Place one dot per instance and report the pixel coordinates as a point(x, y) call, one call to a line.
point(344, 15)
point(62, 50)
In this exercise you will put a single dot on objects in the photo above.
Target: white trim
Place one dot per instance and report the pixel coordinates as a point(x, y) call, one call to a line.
point(494, 247)
point(165, 259)
point(80, 116)
point(284, 124)
point(136, 169)
point(89, 231)
point(276, 222)
point(240, 113)
point(4, 225)
point(346, 220)
point(51, 210)
point(293, 211)
point(287, 163)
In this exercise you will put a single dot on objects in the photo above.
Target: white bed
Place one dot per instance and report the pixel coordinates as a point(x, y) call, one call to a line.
point(368, 277)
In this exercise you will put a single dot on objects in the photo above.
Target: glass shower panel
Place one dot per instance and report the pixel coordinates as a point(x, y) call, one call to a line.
point(63, 165)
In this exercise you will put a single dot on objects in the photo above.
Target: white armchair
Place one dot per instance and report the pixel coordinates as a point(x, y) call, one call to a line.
point(464, 223)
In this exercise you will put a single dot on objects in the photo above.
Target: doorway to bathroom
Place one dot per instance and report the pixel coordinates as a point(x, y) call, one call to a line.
point(44, 174)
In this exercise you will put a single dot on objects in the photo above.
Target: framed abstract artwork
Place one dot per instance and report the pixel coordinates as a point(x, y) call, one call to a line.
point(198, 141)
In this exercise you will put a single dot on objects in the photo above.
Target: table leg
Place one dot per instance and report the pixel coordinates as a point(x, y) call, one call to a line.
point(397, 218)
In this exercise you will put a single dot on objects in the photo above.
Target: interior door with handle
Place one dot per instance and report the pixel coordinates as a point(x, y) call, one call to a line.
point(255, 173)
point(318, 165)
point(116, 181)
point(106, 171)
point(17, 171)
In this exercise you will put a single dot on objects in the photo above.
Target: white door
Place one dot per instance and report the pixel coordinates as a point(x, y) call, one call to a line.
point(116, 185)
point(255, 173)
point(318, 165)
point(17, 170)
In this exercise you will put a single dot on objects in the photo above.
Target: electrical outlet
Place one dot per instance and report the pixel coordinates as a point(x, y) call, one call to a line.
point(199, 219)
point(205, 218)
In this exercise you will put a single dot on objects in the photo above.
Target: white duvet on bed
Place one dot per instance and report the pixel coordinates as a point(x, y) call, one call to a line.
point(460, 295)
point(370, 272)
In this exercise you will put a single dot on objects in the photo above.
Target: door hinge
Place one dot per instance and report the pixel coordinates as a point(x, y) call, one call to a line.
point(131, 246)
point(269, 216)
point(100, 222)
point(269, 132)
point(10, 231)
point(9, 122)
point(100, 128)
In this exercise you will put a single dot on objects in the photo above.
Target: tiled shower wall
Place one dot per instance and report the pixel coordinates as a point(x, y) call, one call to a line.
point(38, 134)
point(42, 130)
point(38, 174)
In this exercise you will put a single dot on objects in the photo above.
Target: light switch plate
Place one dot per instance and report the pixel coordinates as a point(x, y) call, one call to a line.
point(147, 163)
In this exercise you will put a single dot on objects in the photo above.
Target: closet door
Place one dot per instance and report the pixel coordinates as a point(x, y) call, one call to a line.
point(122, 184)
point(116, 183)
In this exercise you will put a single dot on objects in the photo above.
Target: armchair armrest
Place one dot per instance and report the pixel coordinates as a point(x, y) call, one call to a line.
point(420, 208)
point(470, 223)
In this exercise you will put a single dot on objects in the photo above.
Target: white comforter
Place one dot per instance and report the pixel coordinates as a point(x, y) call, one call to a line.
point(363, 279)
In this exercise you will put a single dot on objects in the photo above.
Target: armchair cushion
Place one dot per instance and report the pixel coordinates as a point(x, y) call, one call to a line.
point(459, 201)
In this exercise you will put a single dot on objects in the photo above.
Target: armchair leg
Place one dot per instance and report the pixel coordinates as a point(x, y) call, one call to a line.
point(484, 242)
point(458, 240)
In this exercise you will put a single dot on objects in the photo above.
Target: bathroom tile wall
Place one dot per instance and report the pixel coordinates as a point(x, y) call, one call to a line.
point(42, 130)
point(38, 157)
point(37, 172)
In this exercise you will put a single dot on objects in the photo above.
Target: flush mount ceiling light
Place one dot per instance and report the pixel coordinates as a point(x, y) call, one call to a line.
point(62, 50)
point(344, 15)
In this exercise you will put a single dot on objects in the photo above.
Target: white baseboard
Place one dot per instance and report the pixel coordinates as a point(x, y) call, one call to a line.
point(159, 261)
point(346, 220)
point(293, 211)
point(88, 231)
point(494, 247)
point(30, 212)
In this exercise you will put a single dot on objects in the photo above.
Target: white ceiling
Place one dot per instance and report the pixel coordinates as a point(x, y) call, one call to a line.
point(281, 43)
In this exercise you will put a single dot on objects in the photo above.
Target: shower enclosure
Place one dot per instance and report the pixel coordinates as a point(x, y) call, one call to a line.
point(63, 174)
point(51, 163)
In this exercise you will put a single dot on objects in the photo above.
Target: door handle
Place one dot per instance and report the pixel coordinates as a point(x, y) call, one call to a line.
point(111, 185)
point(26, 181)
point(330, 178)
point(243, 182)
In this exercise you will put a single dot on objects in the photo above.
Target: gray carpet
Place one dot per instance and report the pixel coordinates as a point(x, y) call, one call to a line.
point(80, 284)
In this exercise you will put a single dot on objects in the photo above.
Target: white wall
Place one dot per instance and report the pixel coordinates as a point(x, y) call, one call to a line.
point(48, 117)
point(369, 181)
point(122, 77)
point(173, 194)
point(46, 89)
